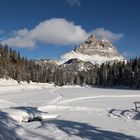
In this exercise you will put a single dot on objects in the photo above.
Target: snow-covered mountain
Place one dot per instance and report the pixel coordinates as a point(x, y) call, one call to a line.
point(93, 50)
point(84, 57)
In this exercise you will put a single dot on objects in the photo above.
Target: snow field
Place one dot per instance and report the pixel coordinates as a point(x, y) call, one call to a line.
point(44, 112)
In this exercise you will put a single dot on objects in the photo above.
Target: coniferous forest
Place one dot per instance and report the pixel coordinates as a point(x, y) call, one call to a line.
point(125, 74)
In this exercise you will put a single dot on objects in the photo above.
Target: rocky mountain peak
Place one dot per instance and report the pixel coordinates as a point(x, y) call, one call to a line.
point(94, 42)
point(94, 50)
point(92, 38)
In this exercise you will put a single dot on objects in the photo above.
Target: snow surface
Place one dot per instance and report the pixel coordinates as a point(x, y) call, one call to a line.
point(44, 112)
point(95, 59)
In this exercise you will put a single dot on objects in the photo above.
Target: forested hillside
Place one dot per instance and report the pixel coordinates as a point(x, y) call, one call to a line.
point(12, 65)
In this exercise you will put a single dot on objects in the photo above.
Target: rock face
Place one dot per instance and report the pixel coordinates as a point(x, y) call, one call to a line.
point(77, 65)
point(93, 50)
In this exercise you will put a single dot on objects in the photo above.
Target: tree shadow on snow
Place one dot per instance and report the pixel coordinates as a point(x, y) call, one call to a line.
point(114, 87)
point(28, 109)
point(85, 131)
point(8, 127)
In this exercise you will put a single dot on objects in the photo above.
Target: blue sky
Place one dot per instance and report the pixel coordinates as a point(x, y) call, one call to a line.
point(48, 28)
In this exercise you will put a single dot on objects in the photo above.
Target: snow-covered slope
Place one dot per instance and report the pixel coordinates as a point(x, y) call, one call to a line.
point(96, 59)
point(93, 50)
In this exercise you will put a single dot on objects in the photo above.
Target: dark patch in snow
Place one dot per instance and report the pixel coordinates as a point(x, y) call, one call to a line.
point(125, 114)
point(137, 116)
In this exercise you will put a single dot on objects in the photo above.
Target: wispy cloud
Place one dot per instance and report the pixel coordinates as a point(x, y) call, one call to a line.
point(106, 34)
point(3, 38)
point(1, 31)
point(130, 54)
point(2, 35)
point(57, 31)
point(73, 3)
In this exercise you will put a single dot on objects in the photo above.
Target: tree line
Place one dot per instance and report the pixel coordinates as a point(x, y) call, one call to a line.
point(12, 65)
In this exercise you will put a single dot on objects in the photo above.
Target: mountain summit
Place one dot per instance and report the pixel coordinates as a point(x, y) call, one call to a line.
point(93, 50)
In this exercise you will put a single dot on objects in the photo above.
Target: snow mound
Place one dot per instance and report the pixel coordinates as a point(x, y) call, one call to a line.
point(27, 114)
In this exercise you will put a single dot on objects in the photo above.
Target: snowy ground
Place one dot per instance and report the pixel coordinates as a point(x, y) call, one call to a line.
point(67, 113)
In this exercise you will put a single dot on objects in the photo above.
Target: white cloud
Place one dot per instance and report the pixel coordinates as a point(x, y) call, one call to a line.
point(57, 31)
point(73, 3)
point(22, 32)
point(54, 31)
point(106, 34)
point(19, 42)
